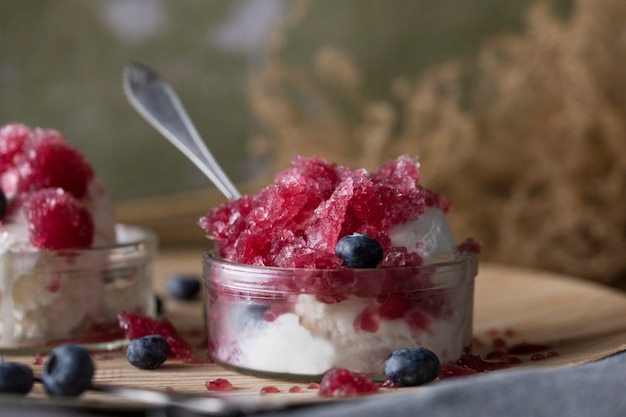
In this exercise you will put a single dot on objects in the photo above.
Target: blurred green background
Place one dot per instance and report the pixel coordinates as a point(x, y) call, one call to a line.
point(527, 95)
point(61, 64)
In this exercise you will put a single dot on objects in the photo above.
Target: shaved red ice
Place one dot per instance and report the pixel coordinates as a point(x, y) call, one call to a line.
point(136, 325)
point(297, 220)
point(340, 382)
point(57, 220)
point(48, 161)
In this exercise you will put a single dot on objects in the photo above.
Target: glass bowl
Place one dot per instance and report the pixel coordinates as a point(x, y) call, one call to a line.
point(75, 295)
point(297, 323)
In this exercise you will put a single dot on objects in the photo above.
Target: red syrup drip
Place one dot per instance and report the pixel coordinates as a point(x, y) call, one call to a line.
point(340, 382)
point(219, 384)
point(296, 389)
point(469, 364)
point(502, 357)
point(270, 389)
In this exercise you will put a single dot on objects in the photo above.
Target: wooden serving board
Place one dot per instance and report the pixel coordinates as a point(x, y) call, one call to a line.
point(579, 320)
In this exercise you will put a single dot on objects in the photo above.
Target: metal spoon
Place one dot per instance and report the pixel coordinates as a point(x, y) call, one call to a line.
point(157, 102)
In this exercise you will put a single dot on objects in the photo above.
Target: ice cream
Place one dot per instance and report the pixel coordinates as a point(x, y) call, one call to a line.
point(282, 300)
point(55, 210)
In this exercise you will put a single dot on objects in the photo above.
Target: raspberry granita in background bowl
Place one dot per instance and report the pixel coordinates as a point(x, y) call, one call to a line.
point(330, 267)
point(66, 268)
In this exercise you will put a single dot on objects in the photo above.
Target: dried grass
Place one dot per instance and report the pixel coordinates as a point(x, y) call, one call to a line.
point(528, 140)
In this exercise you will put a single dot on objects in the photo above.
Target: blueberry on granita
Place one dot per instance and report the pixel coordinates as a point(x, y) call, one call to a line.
point(359, 250)
point(148, 352)
point(15, 378)
point(68, 371)
point(412, 367)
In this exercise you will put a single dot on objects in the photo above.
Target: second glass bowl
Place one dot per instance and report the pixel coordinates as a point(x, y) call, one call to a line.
point(50, 297)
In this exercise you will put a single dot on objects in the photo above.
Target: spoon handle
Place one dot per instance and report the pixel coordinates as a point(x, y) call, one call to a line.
point(159, 104)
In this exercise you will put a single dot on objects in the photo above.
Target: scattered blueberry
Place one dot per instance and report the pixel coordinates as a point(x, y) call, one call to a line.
point(412, 367)
point(359, 250)
point(183, 287)
point(68, 371)
point(15, 378)
point(148, 352)
point(3, 204)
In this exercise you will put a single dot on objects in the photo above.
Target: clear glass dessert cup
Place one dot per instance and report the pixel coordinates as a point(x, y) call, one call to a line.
point(75, 295)
point(297, 323)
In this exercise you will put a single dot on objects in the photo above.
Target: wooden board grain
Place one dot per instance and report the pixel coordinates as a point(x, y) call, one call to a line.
point(579, 320)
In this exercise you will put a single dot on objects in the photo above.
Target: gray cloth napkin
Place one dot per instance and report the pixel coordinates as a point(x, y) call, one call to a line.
point(595, 389)
point(592, 389)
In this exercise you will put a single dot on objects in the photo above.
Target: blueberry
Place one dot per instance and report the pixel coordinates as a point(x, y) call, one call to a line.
point(359, 250)
point(68, 371)
point(148, 352)
point(15, 378)
point(183, 287)
point(412, 367)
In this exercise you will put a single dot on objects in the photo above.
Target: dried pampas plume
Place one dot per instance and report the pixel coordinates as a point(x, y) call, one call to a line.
point(528, 140)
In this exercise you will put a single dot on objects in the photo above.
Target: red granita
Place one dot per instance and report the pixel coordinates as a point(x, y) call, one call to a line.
point(419, 321)
point(399, 257)
point(48, 161)
point(368, 320)
point(469, 245)
point(434, 199)
point(136, 325)
point(393, 307)
point(219, 384)
point(340, 382)
point(57, 220)
point(319, 203)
